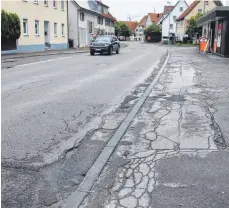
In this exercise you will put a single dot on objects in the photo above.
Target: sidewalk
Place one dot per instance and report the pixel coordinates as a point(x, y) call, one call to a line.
point(43, 53)
point(5, 57)
point(174, 153)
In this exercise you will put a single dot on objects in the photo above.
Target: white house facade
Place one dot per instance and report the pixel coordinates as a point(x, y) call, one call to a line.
point(87, 19)
point(169, 22)
point(139, 33)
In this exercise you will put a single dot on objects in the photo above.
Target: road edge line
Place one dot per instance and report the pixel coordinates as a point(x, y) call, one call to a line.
point(78, 196)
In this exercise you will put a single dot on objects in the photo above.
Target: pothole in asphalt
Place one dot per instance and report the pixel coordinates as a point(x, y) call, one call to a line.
point(176, 98)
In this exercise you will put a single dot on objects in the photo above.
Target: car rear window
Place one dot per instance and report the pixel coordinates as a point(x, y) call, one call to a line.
point(103, 38)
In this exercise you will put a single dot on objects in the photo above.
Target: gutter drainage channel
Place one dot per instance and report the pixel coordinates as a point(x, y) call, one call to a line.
point(77, 197)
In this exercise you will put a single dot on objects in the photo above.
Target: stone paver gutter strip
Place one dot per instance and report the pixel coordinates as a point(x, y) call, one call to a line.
point(77, 197)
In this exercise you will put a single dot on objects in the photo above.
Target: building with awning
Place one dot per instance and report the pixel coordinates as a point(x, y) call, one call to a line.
point(215, 28)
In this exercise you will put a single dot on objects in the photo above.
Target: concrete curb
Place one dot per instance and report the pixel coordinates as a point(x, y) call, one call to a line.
point(10, 57)
point(78, 196)
point(44, 54)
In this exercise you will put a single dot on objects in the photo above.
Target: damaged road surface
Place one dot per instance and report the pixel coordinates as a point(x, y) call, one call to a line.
point(174, 153)
point(58, 115)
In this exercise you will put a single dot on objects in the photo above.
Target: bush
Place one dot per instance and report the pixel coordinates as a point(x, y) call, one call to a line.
point(153, 28)
point(10, 26)
point(4, 25)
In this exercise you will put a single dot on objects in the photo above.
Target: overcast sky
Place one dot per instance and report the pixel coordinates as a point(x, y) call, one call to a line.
point(121, 9)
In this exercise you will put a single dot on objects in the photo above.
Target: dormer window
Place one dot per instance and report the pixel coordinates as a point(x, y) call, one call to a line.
point(81, 16)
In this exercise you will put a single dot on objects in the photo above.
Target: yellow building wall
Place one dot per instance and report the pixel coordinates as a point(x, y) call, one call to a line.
point(211, 5)
point(31, 11)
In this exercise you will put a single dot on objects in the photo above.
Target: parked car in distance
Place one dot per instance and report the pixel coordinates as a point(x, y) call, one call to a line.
point(105, 44)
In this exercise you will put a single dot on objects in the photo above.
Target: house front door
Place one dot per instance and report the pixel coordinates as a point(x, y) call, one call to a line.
point(46, 33)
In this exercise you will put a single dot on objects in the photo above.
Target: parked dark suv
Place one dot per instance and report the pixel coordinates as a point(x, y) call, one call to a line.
point(105, 43)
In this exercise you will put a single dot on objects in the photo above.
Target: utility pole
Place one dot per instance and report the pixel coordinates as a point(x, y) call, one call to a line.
point(204, 7)
point(169, 3)
point(129, 17)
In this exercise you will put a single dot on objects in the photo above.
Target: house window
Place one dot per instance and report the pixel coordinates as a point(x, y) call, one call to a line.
point(35, 1)
point(171, 26)
point(82, 16)
point(181, 9)
point(107, 22)
point(62, 29)
point(206, 2)
point(25, 26)
point(36, 27)
point(55, 29)
point(46, 2)
point(90, 28)
point(54, 4)
point(174, 17)
point(100, 21)
point(62, 4)
point(200, 11)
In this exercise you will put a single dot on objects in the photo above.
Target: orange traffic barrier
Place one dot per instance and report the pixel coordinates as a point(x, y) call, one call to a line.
point(203, 44)
point(214, 46)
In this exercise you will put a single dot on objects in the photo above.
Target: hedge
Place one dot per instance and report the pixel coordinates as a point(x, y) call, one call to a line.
point(10, 26)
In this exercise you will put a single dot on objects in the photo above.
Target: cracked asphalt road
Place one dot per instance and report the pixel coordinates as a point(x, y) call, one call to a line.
point(49, 107)
point(175, 152)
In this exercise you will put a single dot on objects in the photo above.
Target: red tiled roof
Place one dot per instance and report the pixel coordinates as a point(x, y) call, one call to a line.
point(109, 16)
point(131, 25)
point(143, 21)
point(154, 17)
point(167, 9)
point(186, 12)
point(158, 19)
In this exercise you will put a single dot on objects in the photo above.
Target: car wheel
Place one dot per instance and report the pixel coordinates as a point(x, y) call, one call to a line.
point(92, 53)
point(110, 51)
point(118, 50)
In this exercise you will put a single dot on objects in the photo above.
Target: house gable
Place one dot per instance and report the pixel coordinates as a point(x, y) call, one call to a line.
point(143, 21)
point(200, 7)
point(169, 22)
point(196, 7)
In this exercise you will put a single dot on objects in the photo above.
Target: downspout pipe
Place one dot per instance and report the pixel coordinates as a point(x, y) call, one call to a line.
point(78, 33)
point(67, 24)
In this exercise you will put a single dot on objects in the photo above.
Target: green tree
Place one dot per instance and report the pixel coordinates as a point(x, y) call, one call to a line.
point(125, 30)
point(192, 24)
point(10, 26)
point(153, 28)
point(117, 28)
point(4, 25)
point(121, 29)
point(15, 26)
point(218, 3)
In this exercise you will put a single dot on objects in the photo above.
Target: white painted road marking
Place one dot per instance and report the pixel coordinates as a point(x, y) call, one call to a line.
point(42, 61)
